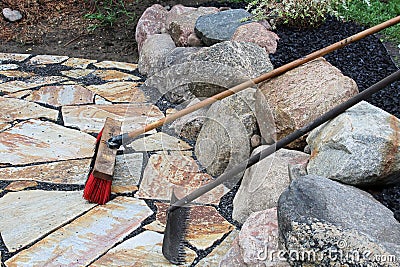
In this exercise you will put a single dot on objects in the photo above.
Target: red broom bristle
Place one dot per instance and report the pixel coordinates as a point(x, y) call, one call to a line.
point(97, 190)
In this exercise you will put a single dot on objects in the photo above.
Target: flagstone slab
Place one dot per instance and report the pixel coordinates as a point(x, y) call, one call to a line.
point(116, 65)
point(77, 73)
point(127, 173)
point(19, 94)
point(114, 75)
point(86, 238)
point(37, 212)
point(91, 118)
point(120, 91)
point(60, 172)
point(13, 57)
point(205, 225)
point(165, 172)
point(215, 257)
point(4, 126)
point(62, 95)
point(144, 249)
point(33, 82)
point(42, 141)
point(8, 67)
point(12, 109)
point(20, 185)
point(159, 142)
point(98, 100)
point(16, 74)
point(79, 63)
point(47, 59)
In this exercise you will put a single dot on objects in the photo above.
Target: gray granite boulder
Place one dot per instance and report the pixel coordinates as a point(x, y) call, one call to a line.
point(192, 79)
point(154, 50)
point(179, 55)
point(255, 32)
point(257, 243)
point(329, 222)
point(182, 26)
point(151, 22)
point(224, 139)
point(220, 26)
point(359, 147)
point(263, 183)
point(247, 57)
point(299, 96)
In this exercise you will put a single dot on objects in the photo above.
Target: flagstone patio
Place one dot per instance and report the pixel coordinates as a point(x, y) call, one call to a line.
point(51, 108)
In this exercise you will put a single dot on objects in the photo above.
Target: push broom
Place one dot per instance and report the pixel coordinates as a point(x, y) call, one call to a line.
point(98, 185)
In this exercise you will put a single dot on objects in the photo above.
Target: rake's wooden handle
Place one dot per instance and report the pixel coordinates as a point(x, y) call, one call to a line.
point(264, 77)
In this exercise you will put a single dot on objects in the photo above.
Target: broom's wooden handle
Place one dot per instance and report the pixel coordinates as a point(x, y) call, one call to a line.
point(264, 77)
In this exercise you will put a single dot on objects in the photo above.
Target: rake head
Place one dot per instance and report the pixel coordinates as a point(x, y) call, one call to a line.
point(173, 247)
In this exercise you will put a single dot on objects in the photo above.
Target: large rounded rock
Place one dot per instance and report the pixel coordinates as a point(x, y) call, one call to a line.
point(220, 26)
point(154, 50)
point(151, 22)
point(179, 55)
point(247, 57)
point(300, 96)
point(324, 220)
point(224, 139)
point(359, 147)
point(263, 183)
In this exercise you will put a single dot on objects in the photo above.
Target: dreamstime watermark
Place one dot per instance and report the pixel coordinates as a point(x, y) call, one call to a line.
point(339, 254)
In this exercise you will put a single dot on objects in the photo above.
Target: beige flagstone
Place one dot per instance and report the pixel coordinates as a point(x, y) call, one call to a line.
point(79, 63)
point(60, 172)
point(62, 95)
point(13, 57)
point(20, 94)
point(77, 73)
point(37, 213)
point(166, 172)
point(205, 225)
point(4, 126)
point(159, 142)
point(91, 118)
point(141, 250)
point(20, 185)
point(47, 59)
point(127, 173)
point(114, 75)
point(120, 91)
point(116, 65)
point(12, 109)
point(214, 258)
point(42, 141)
point(86, 238)
point(98, 100)
point(8, 67)
point(15, 86)
point(16, 74)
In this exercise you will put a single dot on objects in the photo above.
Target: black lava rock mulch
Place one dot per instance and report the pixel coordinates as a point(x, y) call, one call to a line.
point(366, 62)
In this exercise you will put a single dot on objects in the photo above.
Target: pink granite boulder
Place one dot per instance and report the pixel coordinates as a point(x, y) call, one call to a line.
point(257, 33)
point(151, 22)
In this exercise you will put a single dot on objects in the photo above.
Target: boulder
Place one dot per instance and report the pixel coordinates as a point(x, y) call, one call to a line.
point(247, 57)
point(263, 183)
point(224, 139)
point(154, 50)
point(328, 222)
point(191, 79)
point(179, 55)
point(220, 26)
point(256, 33)
point(175, 12)
point(189, 126)
point(299, 96)
point(257, 243)
point(151, 22)
point(182, 26)
point(359, 147)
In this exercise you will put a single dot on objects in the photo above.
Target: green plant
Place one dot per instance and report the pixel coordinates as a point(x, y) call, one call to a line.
point(294, 13)
point(370, 13)
point(107, 12)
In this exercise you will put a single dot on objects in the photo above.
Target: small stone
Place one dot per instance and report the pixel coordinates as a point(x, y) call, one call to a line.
point(20, 185)
point(12, 15)
point(194, 41)
point(116, 65)
point(120, 92)
point(79, 63)
point(255, 141)
point(8, 67)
